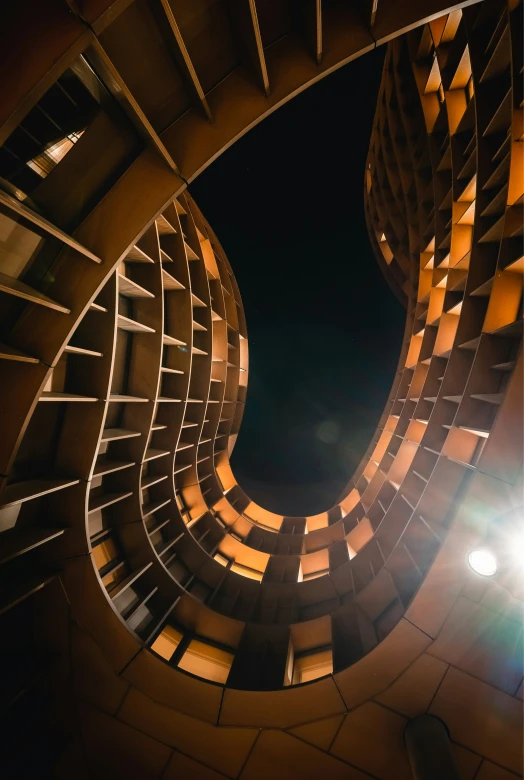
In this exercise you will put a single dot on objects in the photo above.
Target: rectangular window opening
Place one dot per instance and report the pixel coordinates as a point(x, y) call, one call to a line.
point(208, 661)
point(167, 642)
point(309, 666)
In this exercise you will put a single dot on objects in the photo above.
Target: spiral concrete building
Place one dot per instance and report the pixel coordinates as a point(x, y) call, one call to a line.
point(155, 621)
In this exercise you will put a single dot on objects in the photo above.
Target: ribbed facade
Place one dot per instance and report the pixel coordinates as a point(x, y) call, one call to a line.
point(155, 621)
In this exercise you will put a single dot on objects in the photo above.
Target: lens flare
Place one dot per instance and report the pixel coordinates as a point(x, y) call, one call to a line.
point(517, 549)
point(328, 432)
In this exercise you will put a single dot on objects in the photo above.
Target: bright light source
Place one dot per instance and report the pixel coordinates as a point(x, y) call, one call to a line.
point(483, 562)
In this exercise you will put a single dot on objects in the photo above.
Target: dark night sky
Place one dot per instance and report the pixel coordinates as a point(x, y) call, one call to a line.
point(324, 328)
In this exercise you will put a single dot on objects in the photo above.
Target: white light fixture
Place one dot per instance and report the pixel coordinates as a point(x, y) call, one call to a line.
point(483, 562)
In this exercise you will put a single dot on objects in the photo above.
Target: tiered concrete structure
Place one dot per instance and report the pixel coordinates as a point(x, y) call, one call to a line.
point(156, 622)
